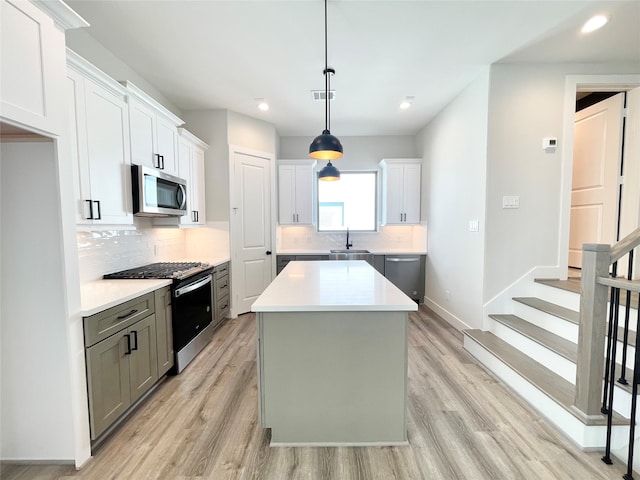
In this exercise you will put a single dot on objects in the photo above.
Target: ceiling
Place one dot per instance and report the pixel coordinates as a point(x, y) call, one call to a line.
point(226, 54)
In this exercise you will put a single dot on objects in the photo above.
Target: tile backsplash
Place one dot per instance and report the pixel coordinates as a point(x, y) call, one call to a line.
point(105, 251)
point(392, 238)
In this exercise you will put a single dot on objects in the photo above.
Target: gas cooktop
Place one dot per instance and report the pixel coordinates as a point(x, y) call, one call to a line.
point(174, 270)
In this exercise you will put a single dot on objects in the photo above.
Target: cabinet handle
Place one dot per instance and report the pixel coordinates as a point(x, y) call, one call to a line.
point(157, 162)
point(135, 340)
point(128, 352)
point(90, 217)
point(99, 217)
point(127, 314)
point(162, 159)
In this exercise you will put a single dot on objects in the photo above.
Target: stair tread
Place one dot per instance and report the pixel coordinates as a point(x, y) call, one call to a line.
point(553, 342)
point(550, 308)
point(550, 383)
point(570, 284)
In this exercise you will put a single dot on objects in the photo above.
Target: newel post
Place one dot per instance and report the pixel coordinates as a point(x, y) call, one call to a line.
point(592, 328)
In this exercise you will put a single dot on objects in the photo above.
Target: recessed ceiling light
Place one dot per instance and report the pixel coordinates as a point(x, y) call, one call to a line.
point(262, 105)
point(594, 23)
point(407, 102)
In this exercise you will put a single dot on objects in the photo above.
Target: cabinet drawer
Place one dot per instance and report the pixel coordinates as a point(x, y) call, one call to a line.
point(222, 307)
point(104, 324)
point(221, 270)
point(222, 286)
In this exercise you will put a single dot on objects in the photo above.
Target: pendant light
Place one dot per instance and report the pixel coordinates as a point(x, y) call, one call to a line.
point(326, 146)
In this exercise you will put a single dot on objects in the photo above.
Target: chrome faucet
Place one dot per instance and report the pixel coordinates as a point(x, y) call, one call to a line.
point(348, 244)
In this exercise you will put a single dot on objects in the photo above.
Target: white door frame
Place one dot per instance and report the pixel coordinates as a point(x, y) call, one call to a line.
point(573, 84)
point(233, 192)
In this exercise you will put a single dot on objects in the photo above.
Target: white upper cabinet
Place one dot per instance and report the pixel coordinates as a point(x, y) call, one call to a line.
point(191, 167)
point(401, 182)
point(33, 67)
point(99, 132)
point(154, 132)
point(295, 192)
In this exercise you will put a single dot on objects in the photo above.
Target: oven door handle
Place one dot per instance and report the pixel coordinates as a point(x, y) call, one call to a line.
point(192, 286)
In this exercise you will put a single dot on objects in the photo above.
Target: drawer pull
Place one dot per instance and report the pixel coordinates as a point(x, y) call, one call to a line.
point(121, 317)
point(135, 340)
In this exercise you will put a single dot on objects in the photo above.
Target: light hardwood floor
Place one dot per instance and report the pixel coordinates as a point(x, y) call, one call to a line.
point(463, 424)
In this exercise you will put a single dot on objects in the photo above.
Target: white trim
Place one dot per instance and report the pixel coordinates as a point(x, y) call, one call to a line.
point(446, 314)
point(62, 15)
point(575, 83)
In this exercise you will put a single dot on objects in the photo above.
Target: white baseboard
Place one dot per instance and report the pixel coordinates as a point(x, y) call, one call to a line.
point(446, 315)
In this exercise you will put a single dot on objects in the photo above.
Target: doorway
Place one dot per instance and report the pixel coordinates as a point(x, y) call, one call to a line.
point(629, 215)
point(251, 226)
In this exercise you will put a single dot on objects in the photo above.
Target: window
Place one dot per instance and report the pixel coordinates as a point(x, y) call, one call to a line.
point(348, 203)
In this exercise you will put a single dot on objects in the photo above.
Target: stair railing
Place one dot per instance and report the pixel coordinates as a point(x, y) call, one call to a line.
point(599, 281)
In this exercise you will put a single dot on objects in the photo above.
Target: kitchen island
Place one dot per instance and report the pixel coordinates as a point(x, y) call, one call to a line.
point(332, 356)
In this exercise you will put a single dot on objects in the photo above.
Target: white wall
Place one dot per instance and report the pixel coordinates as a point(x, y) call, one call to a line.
point(36, 402)
point(453, 147)
point(360, 153)
point(81, 42)
point(526, 104)
point(219, 129)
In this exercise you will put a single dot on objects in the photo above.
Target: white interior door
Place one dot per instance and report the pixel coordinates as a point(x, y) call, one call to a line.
point(250, 229)
point(630, 208)
point(597, 152)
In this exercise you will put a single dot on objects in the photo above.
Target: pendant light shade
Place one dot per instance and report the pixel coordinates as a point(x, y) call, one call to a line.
point(326, 146)
point(329, 173)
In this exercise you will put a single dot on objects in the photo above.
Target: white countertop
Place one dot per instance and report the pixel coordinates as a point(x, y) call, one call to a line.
point(331, 286)
point(102, 294)
point(388, 251)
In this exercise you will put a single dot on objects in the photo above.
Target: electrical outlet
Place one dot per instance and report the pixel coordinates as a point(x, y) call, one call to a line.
point(511, 201)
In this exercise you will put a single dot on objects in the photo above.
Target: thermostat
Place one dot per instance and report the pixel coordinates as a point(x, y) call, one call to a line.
point(549, 142)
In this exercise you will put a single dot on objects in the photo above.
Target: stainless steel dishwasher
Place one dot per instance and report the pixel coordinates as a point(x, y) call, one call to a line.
point(407, 273)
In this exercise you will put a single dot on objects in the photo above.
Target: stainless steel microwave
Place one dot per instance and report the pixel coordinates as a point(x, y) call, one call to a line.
point(157, 194)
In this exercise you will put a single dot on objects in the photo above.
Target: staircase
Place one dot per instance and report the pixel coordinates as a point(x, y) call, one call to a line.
point(534, 350)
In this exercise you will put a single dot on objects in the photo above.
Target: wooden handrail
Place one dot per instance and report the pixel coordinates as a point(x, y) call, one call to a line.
point(625, 245)
point(631, 285)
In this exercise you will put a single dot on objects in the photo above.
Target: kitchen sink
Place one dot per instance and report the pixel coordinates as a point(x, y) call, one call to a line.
point(351, 255)
point(350, 251)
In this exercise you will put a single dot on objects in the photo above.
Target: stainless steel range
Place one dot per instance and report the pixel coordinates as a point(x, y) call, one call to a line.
point(191, 304)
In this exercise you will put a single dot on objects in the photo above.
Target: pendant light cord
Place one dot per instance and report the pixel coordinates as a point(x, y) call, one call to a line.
point(326, 72)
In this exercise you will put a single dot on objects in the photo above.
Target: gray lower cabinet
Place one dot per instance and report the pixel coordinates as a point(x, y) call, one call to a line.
point(164, 331)
point(221, 292)
point(283, 260)
point(122, 359)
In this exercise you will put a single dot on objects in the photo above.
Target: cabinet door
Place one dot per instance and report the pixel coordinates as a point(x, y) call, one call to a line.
point(167, 145)
point(108, 152)
point(164, 333)
point(412, 185)
point(78, 141)
point(143, 361)
point(394, 198)
point(286, 194)
point(304, 194)
point(32, 73)
point(142, 120)
point(198, 185)
point(184, 171)
point(108, 382)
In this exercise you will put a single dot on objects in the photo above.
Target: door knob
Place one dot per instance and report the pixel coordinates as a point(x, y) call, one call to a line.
point(268, 252)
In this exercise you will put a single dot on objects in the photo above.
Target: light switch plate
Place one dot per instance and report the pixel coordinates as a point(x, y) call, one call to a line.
point(474, 225)
point(512, 201)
